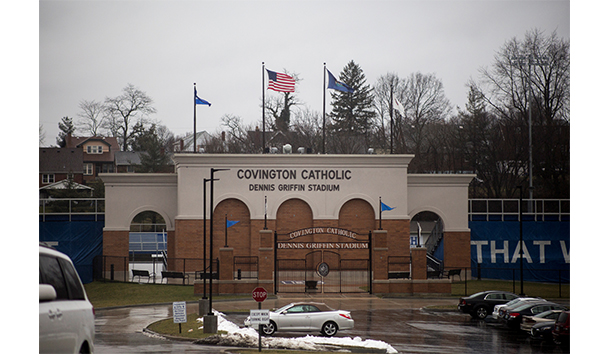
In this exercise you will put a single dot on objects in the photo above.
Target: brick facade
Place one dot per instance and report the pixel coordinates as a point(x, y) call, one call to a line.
point(287, 193)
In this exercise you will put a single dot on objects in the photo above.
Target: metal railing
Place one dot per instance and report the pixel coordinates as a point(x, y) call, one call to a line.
point(509, 209)
point(73, 208)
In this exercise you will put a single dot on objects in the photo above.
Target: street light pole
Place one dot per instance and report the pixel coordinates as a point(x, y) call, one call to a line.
point(521, 238)
point(212, 170)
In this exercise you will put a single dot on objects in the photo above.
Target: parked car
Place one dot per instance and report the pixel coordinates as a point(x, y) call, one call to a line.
point(513, 316)
point(307, 317)
point(546, 316)
point(514, 302)
point(542, 332)
point(561, 329)
point(481, 304)
point(66, 321)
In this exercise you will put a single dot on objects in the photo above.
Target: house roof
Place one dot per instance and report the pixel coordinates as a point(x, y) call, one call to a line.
point(60, 160)
point(127, 158)
point(64, 184)
point(78, 141)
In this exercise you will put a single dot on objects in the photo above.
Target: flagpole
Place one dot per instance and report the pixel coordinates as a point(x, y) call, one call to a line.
point(380, 214)
point(263, 72)
point(391, 120)
point(226, 230)
point(324, 112)
point(194, 118)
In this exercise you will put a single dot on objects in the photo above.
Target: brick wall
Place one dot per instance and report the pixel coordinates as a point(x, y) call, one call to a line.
point(457, 249)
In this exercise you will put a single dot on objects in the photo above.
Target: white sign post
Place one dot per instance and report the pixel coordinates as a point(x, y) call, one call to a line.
point(259, 317)
point(179, 310)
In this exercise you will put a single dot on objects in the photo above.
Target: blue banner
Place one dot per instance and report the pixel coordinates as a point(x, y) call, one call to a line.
point(495, 249)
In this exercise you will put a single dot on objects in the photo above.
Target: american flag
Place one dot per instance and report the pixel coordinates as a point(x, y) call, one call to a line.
point(280, 82)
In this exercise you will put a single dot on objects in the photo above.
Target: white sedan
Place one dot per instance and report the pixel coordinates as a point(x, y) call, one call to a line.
point(307, 317)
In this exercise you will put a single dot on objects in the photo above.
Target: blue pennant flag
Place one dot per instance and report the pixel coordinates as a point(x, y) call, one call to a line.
point(385, 207)
point(231, 223)
point(337, 85)
point(200, 101)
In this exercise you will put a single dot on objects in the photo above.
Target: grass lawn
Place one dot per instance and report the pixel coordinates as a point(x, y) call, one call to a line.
point(190, 329)
point(108, 294)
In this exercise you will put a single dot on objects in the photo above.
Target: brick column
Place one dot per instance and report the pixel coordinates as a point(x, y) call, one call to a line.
point(379, 261)
point(225, 271)
point(419, 265)
point(265, 255)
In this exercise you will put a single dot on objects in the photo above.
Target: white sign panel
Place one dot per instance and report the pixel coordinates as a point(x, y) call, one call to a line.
point(259, 317)
point(179, 310)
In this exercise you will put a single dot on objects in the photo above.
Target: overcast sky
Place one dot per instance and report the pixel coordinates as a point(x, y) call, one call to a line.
point(90, 50)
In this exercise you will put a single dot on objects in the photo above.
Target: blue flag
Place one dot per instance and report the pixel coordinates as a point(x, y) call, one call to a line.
point(231, 223)
point(337, 85)
point(200, 101)
point(385, 207)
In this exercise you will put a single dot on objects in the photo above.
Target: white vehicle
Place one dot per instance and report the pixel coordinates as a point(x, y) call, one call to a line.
point(66, 321)
point(498, 308)
point(307, 317)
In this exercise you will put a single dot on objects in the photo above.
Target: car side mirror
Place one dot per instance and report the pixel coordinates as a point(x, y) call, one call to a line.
point(46, 292)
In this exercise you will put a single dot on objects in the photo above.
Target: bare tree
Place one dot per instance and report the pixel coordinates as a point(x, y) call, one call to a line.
point(307, 130)
point(533, 74)
point(124, 111)
point(91, 117)
point(41, 135)
point(388, 88)
point(424, 103)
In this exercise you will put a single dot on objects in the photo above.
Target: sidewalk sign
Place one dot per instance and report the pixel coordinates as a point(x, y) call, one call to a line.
point(179, 310)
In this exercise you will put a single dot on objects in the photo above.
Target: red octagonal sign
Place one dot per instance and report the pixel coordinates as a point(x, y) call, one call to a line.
point(259, 294)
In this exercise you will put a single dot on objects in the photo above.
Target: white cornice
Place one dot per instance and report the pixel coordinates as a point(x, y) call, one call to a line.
point(291, 160)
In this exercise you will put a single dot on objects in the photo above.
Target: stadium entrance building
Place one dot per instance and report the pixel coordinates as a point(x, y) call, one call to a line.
point(297, 223)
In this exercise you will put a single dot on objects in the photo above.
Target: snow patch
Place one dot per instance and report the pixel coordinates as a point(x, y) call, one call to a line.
point(248, 337)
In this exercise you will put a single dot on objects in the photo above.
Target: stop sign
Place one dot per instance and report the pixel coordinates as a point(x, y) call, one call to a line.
point(259, 294)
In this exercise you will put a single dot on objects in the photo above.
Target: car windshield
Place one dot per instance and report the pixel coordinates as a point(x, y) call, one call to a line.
point(548, 314)
point(477, 294)
point(512, 302)
point(283, 308)
point(523, 307)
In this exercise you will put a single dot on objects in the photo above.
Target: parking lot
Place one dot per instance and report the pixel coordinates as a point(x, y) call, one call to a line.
point(403, 323)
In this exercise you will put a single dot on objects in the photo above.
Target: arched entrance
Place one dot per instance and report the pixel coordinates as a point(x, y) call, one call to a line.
point(322, 260)
point(148, 244)
point(427, 230)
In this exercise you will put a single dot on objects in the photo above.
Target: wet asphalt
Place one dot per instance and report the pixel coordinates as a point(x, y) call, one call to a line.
point(409, 324)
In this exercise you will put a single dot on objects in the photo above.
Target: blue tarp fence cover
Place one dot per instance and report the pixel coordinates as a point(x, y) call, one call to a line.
point(546, 250)
point(80, 240)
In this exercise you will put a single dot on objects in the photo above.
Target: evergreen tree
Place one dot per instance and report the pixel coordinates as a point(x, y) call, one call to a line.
point(354, 112)
point(66, 126)
point(153, 158)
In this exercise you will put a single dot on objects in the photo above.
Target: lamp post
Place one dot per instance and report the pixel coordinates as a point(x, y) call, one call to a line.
point(521, 238)
point(212, 170)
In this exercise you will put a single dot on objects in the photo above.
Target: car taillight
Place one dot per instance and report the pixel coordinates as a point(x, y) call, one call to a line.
point(346, 316)
point(462, 302)
point(514, 315)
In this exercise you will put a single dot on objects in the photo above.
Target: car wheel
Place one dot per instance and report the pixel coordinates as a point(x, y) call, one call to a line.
point(329, 329)
point(481, 312)
point(269, 329)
